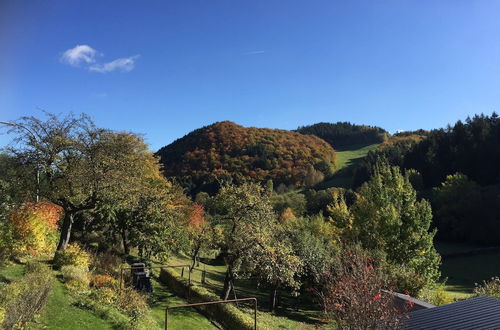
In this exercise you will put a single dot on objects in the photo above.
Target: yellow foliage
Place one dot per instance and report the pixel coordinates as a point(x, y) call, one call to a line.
point(73, 255)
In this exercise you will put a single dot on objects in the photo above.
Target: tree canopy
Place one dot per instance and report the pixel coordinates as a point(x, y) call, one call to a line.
point(343, 134)
point(83, 165)
point(225, 151)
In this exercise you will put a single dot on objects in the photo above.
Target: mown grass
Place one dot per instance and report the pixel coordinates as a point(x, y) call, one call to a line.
point(352, 155)
point(347, 159)
point(185, 318)
point(60, 313)
point(463, 272)
point(295, 312)
point(11, 272)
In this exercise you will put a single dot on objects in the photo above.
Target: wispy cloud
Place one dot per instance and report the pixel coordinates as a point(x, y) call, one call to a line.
point(78, 55)
point(85, 56)
point(122, 64)
point(255, 52)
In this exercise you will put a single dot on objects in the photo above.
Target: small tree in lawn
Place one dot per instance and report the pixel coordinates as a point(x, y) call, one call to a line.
point(243, 219)
point(199, 232)
point(352, 294)
point(278, 266)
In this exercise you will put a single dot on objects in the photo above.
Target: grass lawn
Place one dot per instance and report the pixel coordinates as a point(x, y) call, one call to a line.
point(351, 155)
point(347, 159)
point(178, 318)
point(59, 313)
point(291, 316)
point(11, 272)
point(447, 248)
point(463, 272)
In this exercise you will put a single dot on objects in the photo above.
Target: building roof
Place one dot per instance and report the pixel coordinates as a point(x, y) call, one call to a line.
point(475, 313)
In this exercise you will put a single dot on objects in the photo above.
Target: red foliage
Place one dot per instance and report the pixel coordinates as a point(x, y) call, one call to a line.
point(352, 295)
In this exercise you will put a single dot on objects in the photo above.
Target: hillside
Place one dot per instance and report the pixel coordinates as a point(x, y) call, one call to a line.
point(227, 151)
point(345, 134)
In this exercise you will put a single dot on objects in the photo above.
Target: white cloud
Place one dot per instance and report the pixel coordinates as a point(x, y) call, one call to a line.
point(78, 55)
point(122, 64)
point(85, 56)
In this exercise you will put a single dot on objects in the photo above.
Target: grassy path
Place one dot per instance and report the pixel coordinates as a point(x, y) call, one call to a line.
point(179, 318)
point(59, 313)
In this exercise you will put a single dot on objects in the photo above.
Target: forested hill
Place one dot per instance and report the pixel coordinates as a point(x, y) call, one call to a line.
point(227, 151)
point(343, 134)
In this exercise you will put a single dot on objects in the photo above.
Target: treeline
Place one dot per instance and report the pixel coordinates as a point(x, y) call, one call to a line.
point(344, 134)
point(457, 169)
point(227, 152)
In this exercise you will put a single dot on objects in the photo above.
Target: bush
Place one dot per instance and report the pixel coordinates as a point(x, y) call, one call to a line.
point(489, 288)
point(75, 277)
point(405, 280)
point(104, 281)
point(107, 263)
point(435, 295)
point(104, 295)
point(73, 255)
point(21, 300)
point(132, 303)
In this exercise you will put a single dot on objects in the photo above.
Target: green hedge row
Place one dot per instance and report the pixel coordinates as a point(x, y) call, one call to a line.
point(226, 314)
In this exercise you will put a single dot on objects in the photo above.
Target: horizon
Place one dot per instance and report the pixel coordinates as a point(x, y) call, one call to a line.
point(164, 69)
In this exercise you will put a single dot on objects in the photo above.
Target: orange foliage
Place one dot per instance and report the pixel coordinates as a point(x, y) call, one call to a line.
point(287, 215)
point(197, 216)
point(230, 151)
point(34, 226)
point(99, 281)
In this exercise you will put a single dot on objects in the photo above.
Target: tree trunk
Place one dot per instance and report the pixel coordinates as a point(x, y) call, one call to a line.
point(196, 250)
point(228, 283)
point(65, 230)
point(126, 248)
point(273, 299)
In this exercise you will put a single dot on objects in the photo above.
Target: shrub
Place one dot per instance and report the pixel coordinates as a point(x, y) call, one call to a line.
point(73, 255)
point(107, 263)
point(33, 228)
point(75, 277)
point(489, 288)
point(24, 298)
point(104, 295)
point(435, 295)
point(352, 294)
point(132, 303)
point(104, 281)
point(405, 280)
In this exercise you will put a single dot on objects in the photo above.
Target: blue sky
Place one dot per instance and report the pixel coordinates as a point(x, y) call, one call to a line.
point(164, 68)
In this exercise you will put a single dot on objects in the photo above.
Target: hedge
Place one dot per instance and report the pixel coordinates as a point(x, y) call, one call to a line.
point(227, 315)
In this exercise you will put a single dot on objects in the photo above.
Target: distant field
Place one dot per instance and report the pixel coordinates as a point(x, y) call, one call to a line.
point(347, 157)
point(463, 272)
point(351, 155)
